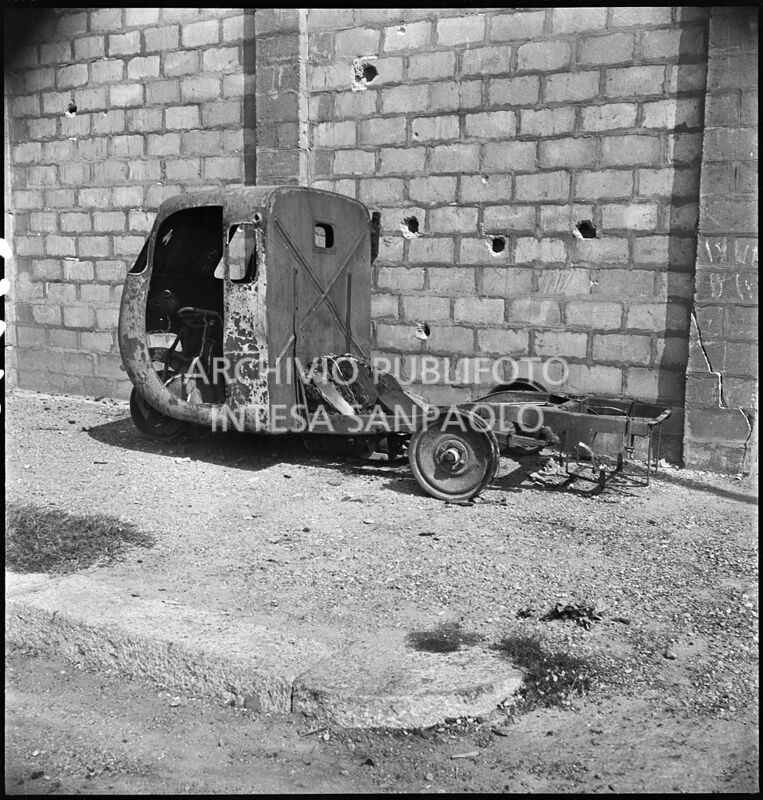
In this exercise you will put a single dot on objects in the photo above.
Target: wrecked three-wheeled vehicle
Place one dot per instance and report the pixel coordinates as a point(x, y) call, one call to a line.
point(249, 308)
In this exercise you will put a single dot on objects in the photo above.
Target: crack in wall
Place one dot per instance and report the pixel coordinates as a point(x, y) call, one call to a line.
point(721, 397)
point(750, 417)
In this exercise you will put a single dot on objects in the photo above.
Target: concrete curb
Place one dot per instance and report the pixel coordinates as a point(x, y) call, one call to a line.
point(371, 682)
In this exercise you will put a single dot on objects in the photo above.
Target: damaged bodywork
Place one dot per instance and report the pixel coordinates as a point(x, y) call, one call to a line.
point(249, 308)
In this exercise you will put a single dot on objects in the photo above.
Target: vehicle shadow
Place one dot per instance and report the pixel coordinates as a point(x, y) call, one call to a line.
point(251, 452)
point(248, 452)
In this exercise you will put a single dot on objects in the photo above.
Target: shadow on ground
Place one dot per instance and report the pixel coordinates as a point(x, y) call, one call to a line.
point(251, 452)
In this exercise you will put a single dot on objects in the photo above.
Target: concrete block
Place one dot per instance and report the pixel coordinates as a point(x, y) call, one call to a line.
point(400, 278)
point(516, 26)
point(624, 282)
point(478, 310)
point(593, 380)
point(503, 341)
point(124, 43)
point(629, 216)
point(430, 66)
point(575, 19)
point(528, 250)
point(199, 34)
point(567, 152)
point(388, 130)
point(460, 30)
point(542, 186)
point(384, 305)
point(630, 149)
point(431, 250)
point(410, 36)
point(401, 99)
point(484, 189)
point(486, 60)
point(397, 337)
point(436, 189)
point(609, 117)
point(560, 344)
point(635, 81)
point(449, 339)
point(546, 121)
point(506, 282)
point(509, 156)
point(594, 315)
point(452, 219)
point(430, 129)
point(615, 48)
point(624, 349)
point(452, 281)
point(454, 96)
point(544, 56)
point(491, 124)
point(533, 311)
point(519, 91)
point(354, 162)
point(184, 62)
point(425, 308)
point(401, 160)
point(507, 218)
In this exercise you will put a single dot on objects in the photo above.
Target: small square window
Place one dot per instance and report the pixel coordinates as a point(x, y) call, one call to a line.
point(324, 235)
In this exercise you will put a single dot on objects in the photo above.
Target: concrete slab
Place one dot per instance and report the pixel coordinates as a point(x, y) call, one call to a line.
point(376, 681)
point(381, 682)
point(188, 649)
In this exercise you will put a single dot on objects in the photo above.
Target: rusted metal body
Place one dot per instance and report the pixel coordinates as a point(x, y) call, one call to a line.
point(273, 285)
point(305, 298)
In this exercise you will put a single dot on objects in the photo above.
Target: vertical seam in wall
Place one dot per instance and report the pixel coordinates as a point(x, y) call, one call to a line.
point(303, 101)
point(9, 270)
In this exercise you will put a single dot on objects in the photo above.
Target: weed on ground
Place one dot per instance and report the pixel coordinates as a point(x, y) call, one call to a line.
point(50, 540)
point(552, 678)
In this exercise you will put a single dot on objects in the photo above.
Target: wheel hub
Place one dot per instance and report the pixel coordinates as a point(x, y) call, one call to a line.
point(452, 456)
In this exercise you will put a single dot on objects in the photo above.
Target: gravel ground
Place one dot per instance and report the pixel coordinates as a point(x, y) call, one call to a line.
point(258, 528)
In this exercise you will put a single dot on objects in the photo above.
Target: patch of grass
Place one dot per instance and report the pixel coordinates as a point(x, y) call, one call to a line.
point(50, 540)
point(552, 678)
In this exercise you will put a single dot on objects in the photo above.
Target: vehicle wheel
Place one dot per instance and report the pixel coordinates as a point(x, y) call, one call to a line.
point(454, 457)
point(153, 423)
point(520, 385)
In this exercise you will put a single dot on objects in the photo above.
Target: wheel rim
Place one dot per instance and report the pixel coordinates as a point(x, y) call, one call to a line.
point(454, 459)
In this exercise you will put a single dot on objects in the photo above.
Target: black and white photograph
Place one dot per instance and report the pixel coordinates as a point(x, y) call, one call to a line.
point(380, 400)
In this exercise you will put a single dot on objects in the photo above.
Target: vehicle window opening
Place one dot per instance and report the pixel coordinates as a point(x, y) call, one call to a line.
point(242, 252)
point(184, 310)
point(324, 235)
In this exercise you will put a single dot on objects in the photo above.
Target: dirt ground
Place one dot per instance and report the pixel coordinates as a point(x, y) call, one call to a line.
point(259, 529)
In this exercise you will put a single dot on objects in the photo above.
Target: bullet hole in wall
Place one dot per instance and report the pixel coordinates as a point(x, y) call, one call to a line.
point(422, 330)
point(498, 245)
point(585, 229)
point(410, 227)
point(364, 73)
point(71, 109)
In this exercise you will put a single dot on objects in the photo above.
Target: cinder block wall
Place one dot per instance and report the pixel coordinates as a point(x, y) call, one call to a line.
point(108, 111)
point(519, 124)
point(722, 377)
point(498, 130)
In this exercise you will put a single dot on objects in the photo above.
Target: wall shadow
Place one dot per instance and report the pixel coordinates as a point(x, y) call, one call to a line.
point(683, 228)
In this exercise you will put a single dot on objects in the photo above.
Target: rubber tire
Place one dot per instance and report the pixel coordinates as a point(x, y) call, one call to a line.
point(173, 431)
